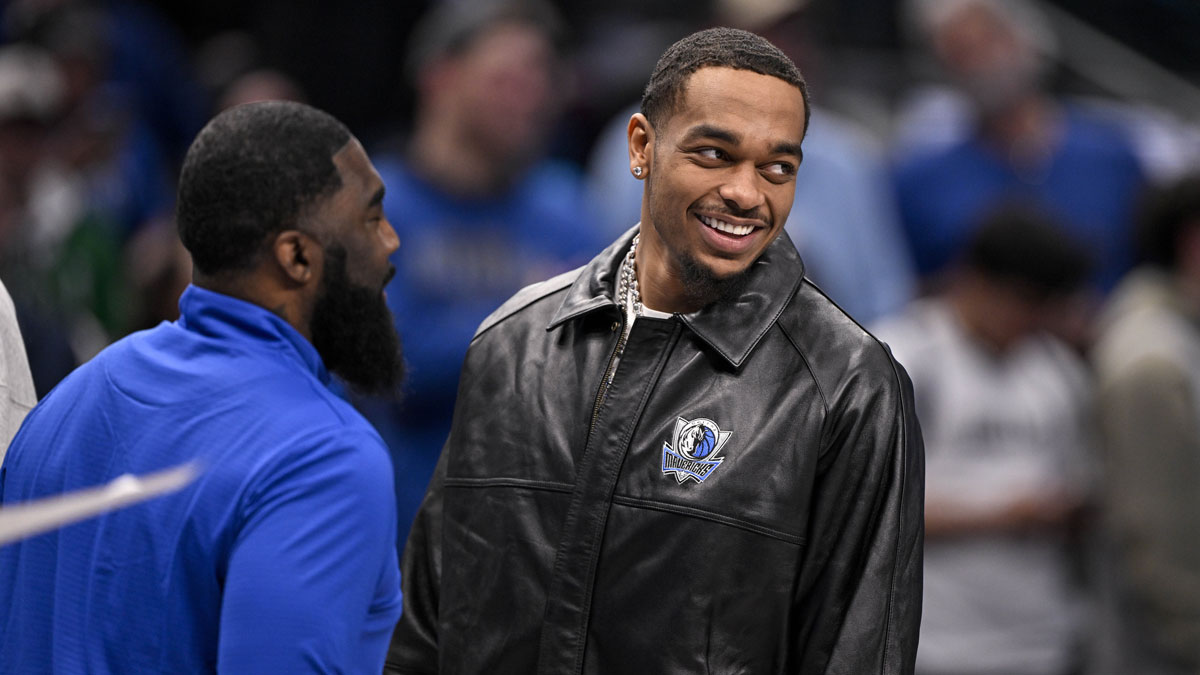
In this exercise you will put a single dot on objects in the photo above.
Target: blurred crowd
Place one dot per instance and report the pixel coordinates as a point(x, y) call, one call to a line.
point(1026, 239)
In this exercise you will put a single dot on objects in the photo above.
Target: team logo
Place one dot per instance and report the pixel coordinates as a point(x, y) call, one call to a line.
point(694, 454)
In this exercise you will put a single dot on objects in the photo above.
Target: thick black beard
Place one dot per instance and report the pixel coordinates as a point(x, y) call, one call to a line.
point(353, 332)
point(703, 287)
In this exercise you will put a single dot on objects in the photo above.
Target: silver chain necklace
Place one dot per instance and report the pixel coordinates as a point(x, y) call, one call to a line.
point(627, 288)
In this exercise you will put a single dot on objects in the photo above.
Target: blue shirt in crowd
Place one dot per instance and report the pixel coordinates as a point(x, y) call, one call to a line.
point(279, 558)
point(1090, 181)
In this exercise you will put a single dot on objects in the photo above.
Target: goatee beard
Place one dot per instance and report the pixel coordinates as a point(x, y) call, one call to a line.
point(352, 330)
point(703, 287)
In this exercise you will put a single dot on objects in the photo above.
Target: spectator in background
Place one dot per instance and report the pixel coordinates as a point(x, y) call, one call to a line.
point(139, 52)
point(844, 219)
point(107, 149)
point(16, 384)
point(100, 176)
point(110, 178)
point(1022, 144)
point(479, 211)
point(1001, 406)
point(31, 103)
point(1147, 361)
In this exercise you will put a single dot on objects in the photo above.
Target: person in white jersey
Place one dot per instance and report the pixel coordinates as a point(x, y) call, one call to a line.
point(1001, 404)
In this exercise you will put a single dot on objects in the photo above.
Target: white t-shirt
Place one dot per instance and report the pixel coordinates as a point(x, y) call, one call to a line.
point(631, 317)
point(996, 428)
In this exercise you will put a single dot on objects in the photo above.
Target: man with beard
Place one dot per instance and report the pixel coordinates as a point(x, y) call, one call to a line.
point(681, 458)
point(279, 558)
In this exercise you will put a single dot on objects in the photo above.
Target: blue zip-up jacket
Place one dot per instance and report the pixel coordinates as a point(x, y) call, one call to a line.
point(279, 558)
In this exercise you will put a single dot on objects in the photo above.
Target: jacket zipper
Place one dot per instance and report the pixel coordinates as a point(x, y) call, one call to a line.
point(608, 374)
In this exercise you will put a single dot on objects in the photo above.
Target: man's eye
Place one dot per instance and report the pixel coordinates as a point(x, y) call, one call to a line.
point(710, 153)
point(781, 169)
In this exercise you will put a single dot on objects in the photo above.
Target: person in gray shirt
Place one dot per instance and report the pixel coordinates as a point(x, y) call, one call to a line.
point(16, 382)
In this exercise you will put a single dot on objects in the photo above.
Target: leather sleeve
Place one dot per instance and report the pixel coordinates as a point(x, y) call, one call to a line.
point(414, 648)
point(859, 596)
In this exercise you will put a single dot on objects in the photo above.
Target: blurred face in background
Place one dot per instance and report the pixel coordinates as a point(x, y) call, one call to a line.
point(1003, 312)
point(987, 56)
point(502, 90)
point(22, 147)
point(1015, 314)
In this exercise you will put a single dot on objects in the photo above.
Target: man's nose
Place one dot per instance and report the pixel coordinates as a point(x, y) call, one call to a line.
point(391, 241)
point(741, 191)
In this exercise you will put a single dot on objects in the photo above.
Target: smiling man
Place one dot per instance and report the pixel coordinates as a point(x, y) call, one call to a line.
point(681, 458)
point(279, 558)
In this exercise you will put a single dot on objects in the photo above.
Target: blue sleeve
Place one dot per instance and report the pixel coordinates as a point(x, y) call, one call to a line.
point(908, 192)
point(313, 582)
point(892, 279)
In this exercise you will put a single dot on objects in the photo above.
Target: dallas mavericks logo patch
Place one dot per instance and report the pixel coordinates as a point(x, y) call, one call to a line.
point(696, 445)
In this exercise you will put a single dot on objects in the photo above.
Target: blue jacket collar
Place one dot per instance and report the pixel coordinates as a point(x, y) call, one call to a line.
point(221, 316)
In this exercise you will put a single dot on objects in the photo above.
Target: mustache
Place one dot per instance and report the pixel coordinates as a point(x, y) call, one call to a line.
point(756, 213)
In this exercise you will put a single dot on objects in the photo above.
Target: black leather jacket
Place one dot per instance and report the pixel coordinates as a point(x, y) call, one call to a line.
point(568, 530)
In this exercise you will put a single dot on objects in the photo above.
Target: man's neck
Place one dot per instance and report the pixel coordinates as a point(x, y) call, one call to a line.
point(252, 287)
point(660, 283)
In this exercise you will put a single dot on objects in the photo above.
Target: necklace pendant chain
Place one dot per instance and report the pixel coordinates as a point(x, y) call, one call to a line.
point(627, 287)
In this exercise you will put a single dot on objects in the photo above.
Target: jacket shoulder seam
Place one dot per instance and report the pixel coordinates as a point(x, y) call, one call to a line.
point(874, 341)
point(526, 297)
point(904, 478)
point(811, 373)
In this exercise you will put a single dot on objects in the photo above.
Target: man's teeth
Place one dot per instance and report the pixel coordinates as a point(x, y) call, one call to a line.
point(736, 230)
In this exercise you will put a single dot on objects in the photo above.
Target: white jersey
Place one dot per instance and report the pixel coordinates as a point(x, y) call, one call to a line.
point(997, 427)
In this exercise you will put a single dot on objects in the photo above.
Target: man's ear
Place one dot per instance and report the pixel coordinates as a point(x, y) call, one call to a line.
point(298, 256)
point(641, 145)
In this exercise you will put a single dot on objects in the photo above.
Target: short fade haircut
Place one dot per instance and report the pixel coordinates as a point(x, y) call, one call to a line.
point(1020, 245)
point(1166, 212)
point(251, 173)
point(719, 47)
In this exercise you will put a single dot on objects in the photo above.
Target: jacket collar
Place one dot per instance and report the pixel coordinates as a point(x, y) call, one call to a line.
point(225, 317)
point(731, 329)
